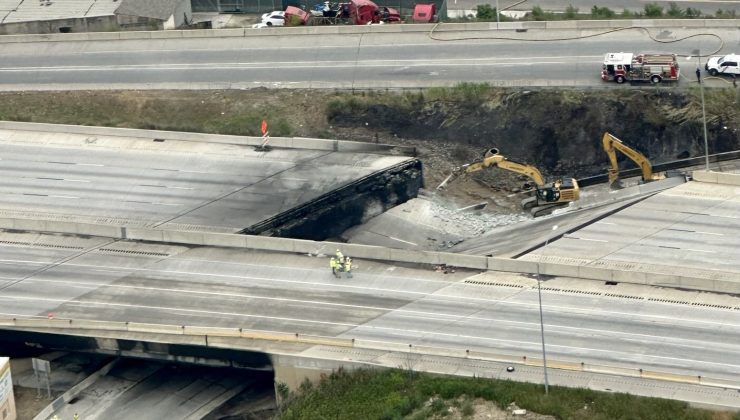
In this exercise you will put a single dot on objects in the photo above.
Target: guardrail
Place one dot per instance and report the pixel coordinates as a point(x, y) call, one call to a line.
point(90, 326)
point(364, 29)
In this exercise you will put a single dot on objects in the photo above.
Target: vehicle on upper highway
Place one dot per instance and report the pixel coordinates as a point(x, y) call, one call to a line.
point(728, 64)
point(655, 68)
point(276, 18)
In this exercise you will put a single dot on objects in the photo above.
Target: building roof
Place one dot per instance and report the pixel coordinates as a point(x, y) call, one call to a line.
point(12, 11)
point(159, 9)
point(33, 10)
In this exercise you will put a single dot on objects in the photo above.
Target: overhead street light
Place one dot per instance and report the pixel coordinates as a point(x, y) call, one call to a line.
point(497, 13)
point(697, 53)
point(542, 323)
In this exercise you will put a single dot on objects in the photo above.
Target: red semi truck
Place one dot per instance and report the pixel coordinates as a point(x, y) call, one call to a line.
point(365, 12)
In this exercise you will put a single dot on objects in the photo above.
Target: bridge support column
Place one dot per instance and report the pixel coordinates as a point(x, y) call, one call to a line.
point(292, 371)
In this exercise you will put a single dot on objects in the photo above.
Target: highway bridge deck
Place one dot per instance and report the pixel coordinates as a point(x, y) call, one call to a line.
point(691, 228)
point(94, 278)
point(121, 180)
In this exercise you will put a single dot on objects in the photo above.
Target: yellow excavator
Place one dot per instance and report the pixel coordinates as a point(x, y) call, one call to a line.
point(547, 195)
point(612, 145)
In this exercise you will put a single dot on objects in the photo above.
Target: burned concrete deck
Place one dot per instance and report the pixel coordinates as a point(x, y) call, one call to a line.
point(189, 182)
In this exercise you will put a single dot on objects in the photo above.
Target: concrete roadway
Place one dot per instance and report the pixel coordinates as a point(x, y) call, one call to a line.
point(372, 60)
point(93, 278)
point(177, 184)
point(695, 227)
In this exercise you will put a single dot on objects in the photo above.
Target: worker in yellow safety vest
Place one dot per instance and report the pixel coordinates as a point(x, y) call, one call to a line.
point(334, 264)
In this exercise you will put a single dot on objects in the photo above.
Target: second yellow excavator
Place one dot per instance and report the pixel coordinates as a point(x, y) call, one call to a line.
point(547, 195)
point(612, 145)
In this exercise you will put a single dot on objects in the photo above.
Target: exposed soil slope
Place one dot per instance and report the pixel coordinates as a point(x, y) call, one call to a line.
point(558, 131)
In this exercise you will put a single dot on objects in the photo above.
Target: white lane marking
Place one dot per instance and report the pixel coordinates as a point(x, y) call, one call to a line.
point(605, 223)
point(273, 65)
point(392, 310)
point(584, 239)
point(167, 204)
point(433, 296)
point(64, 196)
point(401, 240)
point(701, 250)
point(710, 233)
point(404, 331)
point(175, 309)
point(89, 164)
point(76, 180)
point(586, 349)
point(180, 188)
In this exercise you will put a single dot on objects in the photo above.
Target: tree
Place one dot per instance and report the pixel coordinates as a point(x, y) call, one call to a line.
point(602, 12)
point(485, 12)
point(675, 11)
point(571, 12)
point(653, 10)
point(693, 13)
point(538, 13)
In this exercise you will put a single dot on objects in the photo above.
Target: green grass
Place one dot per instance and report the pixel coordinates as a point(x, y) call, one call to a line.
point(396, 394)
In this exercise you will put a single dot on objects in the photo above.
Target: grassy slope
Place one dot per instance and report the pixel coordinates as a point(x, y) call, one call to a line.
point(393, 394)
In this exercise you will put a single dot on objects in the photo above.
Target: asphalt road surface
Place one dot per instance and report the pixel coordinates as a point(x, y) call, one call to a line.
point(177, 184)
point(94, 278)
point(694, 226)
point(373, 60)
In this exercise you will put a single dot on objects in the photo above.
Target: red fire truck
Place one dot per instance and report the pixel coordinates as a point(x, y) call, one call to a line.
point(627, 67)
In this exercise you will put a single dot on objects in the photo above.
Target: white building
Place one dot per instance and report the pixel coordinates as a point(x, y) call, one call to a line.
point(49, 16)
point(7, 401)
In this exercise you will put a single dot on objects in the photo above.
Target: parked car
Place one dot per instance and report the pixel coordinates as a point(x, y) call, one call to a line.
point(261, 25)
point(276, 18)
point(728, 64)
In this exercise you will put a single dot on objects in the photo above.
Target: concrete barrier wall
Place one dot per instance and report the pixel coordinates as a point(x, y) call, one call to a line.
point(73, 392)
point(355, 29)
point(727, 178)
point(300, 246)
point(170, 333)
point(283, 142)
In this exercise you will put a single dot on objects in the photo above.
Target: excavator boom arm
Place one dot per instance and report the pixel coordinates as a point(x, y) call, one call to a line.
point(611, 145)
point(527, 170)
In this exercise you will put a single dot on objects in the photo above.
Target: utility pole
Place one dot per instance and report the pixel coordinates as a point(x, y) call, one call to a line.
point(542, 323)
point(703, 109)
point(497, 12)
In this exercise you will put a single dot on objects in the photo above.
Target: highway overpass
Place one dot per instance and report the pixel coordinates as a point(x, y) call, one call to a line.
point(132, 286)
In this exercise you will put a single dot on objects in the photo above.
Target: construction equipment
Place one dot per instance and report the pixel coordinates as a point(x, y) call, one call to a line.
point(546, 197)
point(611, 145)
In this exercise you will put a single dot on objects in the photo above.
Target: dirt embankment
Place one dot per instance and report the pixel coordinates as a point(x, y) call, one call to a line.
point(558, 131)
